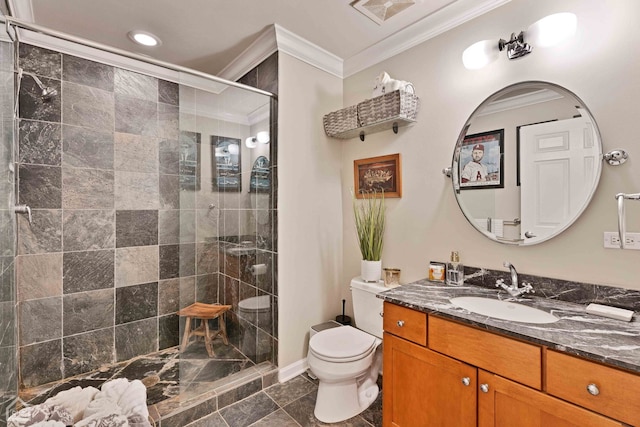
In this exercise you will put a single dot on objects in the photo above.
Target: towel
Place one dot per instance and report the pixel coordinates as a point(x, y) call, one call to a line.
point(75, 400)
point(41, 415)
point(481, 223)
point(119, 401)
point(497, 227)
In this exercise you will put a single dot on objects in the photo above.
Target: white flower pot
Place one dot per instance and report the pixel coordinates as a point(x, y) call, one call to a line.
point(371, 271)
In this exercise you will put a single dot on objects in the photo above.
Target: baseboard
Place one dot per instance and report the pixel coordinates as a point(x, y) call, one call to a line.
point(292, 370)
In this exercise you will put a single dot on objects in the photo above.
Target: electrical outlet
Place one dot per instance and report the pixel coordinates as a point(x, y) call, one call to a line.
point(612, 240)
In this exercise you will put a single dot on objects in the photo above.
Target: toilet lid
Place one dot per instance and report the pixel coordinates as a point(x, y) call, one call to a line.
point(341, 343)
point(260, 303)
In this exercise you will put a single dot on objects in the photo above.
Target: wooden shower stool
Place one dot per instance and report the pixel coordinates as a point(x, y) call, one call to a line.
point(204, 312)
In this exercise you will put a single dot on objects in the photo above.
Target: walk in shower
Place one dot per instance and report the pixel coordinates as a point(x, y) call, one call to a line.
point(146, 195)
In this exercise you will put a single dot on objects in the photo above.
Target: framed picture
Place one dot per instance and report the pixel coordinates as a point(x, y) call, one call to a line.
point(481, 160)
point(189, 160)
point(377, 174)
point(260, 180)
point(225, 161)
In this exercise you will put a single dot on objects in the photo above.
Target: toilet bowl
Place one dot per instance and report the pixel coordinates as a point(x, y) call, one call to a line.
point(347, 360)
point(255, 312)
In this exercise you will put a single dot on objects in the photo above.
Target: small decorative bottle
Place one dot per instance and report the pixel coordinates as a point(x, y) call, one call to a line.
point(455, 270)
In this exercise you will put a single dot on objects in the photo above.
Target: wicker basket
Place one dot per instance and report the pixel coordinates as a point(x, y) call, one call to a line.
point(340, 121)
point(394, 104)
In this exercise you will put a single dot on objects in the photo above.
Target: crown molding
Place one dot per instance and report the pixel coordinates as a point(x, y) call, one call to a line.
point(427, 28)
point(308, 52)
point(264, 46)
point(277, 38)
point(519, 101)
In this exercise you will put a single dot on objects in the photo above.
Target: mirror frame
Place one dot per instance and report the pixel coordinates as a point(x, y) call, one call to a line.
point(463, 133)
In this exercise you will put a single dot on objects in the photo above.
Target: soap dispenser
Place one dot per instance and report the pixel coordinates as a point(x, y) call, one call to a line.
point(455, 270)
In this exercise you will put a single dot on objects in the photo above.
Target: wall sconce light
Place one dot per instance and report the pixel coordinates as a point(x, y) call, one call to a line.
point(261, 137)
point(548, 31)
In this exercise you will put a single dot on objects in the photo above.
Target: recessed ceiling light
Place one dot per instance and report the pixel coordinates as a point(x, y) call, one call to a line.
point(144, 38)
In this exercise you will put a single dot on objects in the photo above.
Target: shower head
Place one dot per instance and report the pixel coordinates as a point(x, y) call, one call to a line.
point(48, 92)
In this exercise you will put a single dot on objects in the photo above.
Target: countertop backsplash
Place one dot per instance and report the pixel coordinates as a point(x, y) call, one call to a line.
point(564, 290)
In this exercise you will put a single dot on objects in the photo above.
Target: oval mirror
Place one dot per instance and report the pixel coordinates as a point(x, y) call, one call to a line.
point(527, 163)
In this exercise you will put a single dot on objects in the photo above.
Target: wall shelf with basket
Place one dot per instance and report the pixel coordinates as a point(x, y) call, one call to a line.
point(389, 111)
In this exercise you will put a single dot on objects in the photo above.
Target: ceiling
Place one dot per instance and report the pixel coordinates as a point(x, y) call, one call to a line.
point(207, 35)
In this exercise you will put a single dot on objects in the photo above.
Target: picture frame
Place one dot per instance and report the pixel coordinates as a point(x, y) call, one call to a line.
point(375, 175)
point(260, 179)
point(225, 162)
point(487, 171)
point(190, 160)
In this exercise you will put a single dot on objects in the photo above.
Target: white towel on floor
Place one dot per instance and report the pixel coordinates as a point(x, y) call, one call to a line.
point(40, 415)
point(74, 400)
point(118, 399)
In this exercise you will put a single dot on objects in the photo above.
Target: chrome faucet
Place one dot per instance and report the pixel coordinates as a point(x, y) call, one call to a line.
point(514, 290)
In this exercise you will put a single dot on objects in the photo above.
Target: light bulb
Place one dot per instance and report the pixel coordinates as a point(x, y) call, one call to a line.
point(234, 149)
point(552, 30)
point(144, 38)
point(480, 54)
point(263, 137)
point(250, 142)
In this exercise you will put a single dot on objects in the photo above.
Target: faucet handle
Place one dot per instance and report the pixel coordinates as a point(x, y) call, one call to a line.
point(527, 288)
point(499, 283)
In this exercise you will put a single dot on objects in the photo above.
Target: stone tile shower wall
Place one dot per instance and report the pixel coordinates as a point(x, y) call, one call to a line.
point(101, 270)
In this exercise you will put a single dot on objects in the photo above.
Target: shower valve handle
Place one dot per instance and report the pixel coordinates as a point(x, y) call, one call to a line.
point(23, 209)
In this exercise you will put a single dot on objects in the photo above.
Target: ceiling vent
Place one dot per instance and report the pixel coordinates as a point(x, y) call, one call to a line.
point(381, 10)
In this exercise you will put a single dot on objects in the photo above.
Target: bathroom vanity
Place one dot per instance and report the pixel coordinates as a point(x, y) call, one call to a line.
point(446, 366)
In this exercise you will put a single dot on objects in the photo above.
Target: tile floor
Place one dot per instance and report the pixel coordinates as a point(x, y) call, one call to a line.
point(288, 404)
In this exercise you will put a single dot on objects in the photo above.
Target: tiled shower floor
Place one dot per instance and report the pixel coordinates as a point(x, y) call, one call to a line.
point(173, 379)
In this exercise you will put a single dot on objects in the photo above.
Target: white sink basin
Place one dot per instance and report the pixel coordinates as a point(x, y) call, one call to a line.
point(504, 310)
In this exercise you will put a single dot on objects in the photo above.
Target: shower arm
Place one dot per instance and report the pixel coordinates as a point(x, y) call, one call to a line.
point(620, 197)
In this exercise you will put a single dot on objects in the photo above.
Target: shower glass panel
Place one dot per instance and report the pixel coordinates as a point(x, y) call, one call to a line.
point(8, 353)
point(226, 235)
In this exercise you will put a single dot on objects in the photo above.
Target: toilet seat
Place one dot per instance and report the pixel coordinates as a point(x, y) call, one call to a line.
point(344, 344)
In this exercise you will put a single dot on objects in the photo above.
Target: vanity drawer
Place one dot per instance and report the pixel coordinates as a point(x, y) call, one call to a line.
point(405, 323)
point(510, 358)
point(618, 392)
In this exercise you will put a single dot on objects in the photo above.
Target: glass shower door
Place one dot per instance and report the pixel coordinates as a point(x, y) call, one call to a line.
point(8, 352)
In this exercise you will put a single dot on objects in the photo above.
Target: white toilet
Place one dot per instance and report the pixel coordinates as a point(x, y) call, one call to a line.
point(347, 360)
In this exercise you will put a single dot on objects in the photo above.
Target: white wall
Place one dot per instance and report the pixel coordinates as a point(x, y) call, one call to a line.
point(600, 65)
point(309, 206)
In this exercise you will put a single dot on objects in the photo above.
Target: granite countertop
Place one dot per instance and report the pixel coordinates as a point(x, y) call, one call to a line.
point(600, 339)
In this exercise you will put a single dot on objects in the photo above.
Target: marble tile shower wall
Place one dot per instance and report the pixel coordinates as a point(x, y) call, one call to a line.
point(109, 258)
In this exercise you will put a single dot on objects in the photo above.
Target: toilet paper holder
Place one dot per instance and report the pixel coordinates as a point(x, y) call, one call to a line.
point(258, 269)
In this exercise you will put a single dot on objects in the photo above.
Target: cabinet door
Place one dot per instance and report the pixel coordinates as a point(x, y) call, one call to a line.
point(503, 403)
point(425, 388)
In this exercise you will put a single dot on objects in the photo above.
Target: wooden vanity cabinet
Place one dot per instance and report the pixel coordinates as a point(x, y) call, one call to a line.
point(425, 388)
point(466, 376)
point(504, 403)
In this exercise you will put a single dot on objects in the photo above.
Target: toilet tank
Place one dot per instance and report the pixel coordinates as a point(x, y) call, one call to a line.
point(367, 307)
